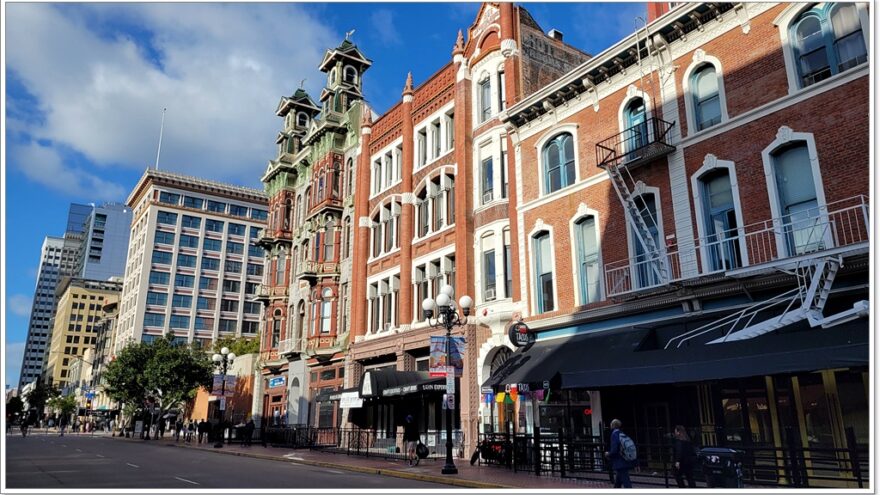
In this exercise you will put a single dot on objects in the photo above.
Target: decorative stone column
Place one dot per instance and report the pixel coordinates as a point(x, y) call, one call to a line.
point(362, 231)
point(405, 305)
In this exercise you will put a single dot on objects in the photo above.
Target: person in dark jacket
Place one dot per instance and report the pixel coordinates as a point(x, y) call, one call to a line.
point(249, 428)
point(411, 439)
point(620, 465)
point(685, 458)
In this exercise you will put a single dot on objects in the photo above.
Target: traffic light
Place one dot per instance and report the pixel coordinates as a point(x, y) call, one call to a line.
point(89, 404)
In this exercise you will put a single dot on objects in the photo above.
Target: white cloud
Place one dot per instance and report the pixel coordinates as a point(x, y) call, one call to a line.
point(382, 22)
point(220, 69)
point(19, 304)
point(13, 354)
point(44, 165)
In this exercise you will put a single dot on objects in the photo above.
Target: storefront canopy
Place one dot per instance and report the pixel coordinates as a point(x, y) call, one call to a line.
point(375, 382)
point(637, 357)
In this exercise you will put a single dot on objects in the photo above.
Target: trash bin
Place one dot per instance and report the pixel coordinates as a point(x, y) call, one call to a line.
point(722, 467)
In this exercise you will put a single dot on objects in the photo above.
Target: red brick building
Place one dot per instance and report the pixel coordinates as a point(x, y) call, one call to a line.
point(435, 172)
point(693, 218)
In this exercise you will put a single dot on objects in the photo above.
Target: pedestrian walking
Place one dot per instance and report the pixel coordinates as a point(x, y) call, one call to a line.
point(249, 432)
point(62, 425)
point(190, 429)
point(622, 455)
point(203, 430)
point(685, 458)
point(411, 440)
point(178, 426)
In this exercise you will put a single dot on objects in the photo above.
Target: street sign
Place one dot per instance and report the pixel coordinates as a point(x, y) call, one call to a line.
point(222, 403)
point(450, 380)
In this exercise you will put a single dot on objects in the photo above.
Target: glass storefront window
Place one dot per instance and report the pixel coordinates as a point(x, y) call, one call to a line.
point(733, 420)
point(817, 420)
point(851, 393)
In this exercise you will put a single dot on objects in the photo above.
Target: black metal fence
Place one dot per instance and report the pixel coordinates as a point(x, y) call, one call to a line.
point(644, 141)
point(564, 455)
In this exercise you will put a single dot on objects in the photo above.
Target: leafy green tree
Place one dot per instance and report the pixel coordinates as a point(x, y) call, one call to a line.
point(161, 372)
point(64, 406)
point(40, 395)
point(14, 408)
point(238, 345)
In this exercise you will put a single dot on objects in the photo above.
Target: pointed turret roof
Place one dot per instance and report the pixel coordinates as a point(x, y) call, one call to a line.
point(299, 99)
point(346, 50)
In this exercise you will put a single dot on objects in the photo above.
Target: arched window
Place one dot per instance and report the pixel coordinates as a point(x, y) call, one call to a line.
point(302, 119)
point(559, 167)
point(280, 265)
point(797, 198)
point(349, 177)
point(344, 244)
point(300, 320)
point(487, 250)
point(326, 309)
point(276, 328)
point(337, 176)
point(827, 40)
point(635, 121)
point(350, 75)
point(288, 212)
point(299, 210)
point(543, 256)
point(588, 259)
point(722, 246)
point(707, 102)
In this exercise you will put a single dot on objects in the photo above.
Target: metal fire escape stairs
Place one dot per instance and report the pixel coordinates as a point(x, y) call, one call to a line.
point(621, 177)
point(815, 278)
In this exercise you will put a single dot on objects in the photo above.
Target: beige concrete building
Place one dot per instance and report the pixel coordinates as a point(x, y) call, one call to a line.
point(80, 307)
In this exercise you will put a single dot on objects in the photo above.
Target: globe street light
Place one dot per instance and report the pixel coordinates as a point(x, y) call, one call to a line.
point(448, 317)
point(222, 361)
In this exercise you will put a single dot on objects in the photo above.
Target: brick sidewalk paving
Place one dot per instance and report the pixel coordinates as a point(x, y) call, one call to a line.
point(428, 470)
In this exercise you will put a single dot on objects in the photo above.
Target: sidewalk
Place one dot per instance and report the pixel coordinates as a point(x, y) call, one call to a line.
point(428, 470)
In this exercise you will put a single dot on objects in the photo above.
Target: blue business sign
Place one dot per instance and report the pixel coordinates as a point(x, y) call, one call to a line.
point(277, 381)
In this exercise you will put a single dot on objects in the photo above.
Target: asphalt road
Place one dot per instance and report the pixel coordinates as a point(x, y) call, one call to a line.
point(53, 462)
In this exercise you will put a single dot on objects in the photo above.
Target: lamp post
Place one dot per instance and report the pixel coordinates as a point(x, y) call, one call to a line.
point(448, 317)
point(222, 362)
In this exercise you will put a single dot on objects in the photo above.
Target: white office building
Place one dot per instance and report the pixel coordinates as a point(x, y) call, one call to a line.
point(105, 242)
point(192, 268)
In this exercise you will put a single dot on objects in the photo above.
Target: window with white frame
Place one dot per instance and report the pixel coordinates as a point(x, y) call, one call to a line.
point(428, 278)
point(502, 89)
point(587, 250)
point(558, 162)
point(386, 169)
point(326, 309)
point(487, 180)
point(503, 167)
point(706, 97)
point(383, 297)
point(435, 205)
point(827, 39)
point(385, 229)
point(434, 139)
point(484, 93)
point(542, 251)
point(506, 265)
point(487, 250)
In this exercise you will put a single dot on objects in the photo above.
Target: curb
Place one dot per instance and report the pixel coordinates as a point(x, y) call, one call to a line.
point(359, 469)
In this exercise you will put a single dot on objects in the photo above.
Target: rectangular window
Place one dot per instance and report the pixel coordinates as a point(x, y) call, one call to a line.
point(250, 288)
point(213, 225)
point(435, 139)
point(256, 251)
point(233, 266)
point(216, 206)
point(159, 278)
point(508, 274)
point(204, 323)
point(157, 298)
point(154, 320)
point(231, 285)
point(228, 325)
point(210, 264)
point(502, 93)
point(504, 170)
point(181, 280)
point(166, 218)
point(205, 303)
point(194, 203)
point(189, 241)
point(162, 257)
point(164, 238)
point(191, 222)
point(250, 327)
point(181, 301)
point(257, 214)
point(179, 321)
point(544, 271)
point(238, 211)
point(169, 198)
point(212, 245)
point(450, 130)
point(237, 229)
point(252, 308)
point(234, 247)
point(485, 92)
point(489, 274)
point(186, 260)
point(254, 269)
point(487, 180)
point(228, 305)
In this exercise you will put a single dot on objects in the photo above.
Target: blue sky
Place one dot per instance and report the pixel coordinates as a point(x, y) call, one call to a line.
point(86, 84)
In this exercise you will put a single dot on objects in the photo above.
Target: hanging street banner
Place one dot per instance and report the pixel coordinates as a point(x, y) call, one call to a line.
point(437, 362)
point(218, 387)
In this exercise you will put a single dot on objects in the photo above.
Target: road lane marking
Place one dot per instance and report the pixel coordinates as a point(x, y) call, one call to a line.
point(334, 471)
point(132, 465)
point(99, 455)
point(79, 450)
point(186, 480)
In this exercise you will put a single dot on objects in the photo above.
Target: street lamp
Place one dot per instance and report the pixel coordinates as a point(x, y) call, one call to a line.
point(222, 362)
point(448, 317)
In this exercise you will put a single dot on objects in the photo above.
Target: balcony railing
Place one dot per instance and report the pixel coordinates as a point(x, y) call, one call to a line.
point(763, 245)
point(312, 269)
point(637, 145)
point(289, 346)
point(267, 292)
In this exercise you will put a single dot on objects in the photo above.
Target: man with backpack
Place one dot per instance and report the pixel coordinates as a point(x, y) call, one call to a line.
point(622, 455)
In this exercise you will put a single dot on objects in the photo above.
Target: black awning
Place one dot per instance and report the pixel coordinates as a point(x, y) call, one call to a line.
point(430, 384)
point(375, 382)
point(635, 356)
point(334, 395)
point(799, 348)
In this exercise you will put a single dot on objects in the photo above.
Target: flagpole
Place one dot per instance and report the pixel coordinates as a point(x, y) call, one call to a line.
point(161, 130)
